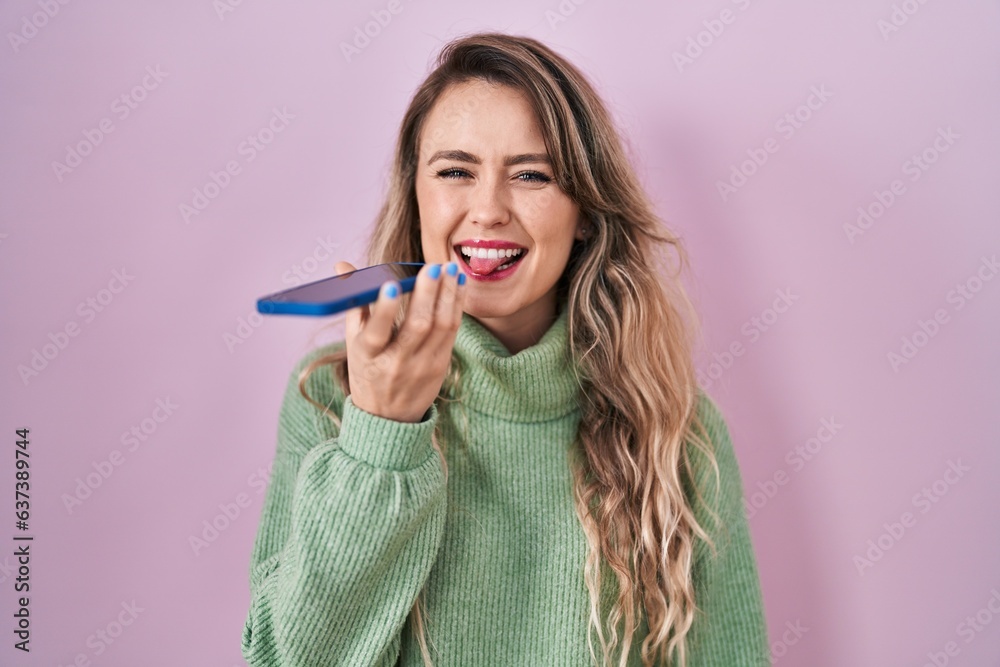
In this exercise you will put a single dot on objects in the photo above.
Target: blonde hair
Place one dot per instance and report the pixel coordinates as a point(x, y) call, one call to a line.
point(631, 334)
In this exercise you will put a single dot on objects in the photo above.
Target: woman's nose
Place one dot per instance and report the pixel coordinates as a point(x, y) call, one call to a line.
point(489, 205)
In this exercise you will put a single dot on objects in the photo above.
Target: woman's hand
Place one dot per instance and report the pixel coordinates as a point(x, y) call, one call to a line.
point(399, 377)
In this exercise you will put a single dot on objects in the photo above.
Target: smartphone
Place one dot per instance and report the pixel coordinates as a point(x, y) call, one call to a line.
point(339, 293)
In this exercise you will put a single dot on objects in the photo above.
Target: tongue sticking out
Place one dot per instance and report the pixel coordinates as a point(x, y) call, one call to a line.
point(482, 266)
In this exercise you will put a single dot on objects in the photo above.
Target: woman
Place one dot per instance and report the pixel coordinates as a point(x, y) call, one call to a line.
point(515, 456)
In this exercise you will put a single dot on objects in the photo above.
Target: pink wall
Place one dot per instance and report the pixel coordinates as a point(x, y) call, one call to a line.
point(813, 308)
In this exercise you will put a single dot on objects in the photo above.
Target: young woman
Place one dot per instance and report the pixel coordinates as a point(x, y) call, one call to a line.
point(516, 456)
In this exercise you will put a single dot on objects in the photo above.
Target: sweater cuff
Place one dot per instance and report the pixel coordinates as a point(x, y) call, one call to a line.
point(386, 443)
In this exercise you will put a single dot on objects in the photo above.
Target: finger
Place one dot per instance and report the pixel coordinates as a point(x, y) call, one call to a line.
point(459, 304)
point(445, 323)
point(419, 318)
point(354, 322)
point(377, 330)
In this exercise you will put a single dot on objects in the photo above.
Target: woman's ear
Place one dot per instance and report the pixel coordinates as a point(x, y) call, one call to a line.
point(582, 229)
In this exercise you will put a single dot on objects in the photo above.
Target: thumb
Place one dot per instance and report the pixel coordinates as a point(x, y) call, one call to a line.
point(343, 267)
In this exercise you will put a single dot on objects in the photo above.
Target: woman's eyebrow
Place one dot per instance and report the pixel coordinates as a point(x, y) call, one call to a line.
point(510, 160)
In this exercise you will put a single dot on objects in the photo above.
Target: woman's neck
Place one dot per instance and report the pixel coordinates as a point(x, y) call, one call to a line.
point(526, 327)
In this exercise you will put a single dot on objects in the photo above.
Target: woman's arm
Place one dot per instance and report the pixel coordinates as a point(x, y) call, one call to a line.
point(732, 629)
point(350, 528)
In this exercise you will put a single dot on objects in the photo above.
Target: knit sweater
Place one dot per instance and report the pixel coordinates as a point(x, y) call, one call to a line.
point(358, 520)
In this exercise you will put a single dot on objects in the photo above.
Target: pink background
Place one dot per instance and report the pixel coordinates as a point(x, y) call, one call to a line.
point(307, 199)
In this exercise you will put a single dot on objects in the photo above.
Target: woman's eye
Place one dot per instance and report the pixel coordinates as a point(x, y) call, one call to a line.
point(525, 176)
point(535, 176)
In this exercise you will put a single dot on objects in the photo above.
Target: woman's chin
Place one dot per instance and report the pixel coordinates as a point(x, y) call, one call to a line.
point(484, 308)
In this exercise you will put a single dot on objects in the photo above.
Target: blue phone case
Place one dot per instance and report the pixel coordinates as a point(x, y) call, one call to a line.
point(277, 303)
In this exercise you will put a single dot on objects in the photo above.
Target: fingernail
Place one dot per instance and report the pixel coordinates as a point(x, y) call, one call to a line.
point(435, 271)
point(452, 268)
point(461, 279)
point(391, 291)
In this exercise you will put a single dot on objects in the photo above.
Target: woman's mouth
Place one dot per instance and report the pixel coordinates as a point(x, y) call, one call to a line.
point(489, 263)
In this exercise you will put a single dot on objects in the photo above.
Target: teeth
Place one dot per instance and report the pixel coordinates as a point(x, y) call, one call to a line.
point(490, 253)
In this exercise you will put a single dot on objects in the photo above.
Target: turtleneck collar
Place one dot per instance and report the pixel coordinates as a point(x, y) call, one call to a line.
point(536, 384)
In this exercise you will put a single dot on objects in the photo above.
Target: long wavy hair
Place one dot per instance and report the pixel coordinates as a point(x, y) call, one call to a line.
point(632, 330)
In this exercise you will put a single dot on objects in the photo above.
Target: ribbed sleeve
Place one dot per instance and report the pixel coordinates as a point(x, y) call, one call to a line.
point(730, 630)
point(351, 525)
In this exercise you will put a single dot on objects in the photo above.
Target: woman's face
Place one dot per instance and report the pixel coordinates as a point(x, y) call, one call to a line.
point(482, 177)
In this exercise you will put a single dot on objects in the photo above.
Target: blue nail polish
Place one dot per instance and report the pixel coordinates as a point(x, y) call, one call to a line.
point(452, 268)
point(434, 271)
point(390, 291)
point(461, 279)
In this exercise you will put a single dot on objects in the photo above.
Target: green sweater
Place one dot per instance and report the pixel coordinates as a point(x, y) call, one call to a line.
point(356, 523)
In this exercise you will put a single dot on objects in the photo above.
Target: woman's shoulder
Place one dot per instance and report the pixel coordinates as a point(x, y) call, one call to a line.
point(302, 421)
point(315, 354)
point(712, 419)
point(715, 454)
point(724, 494)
